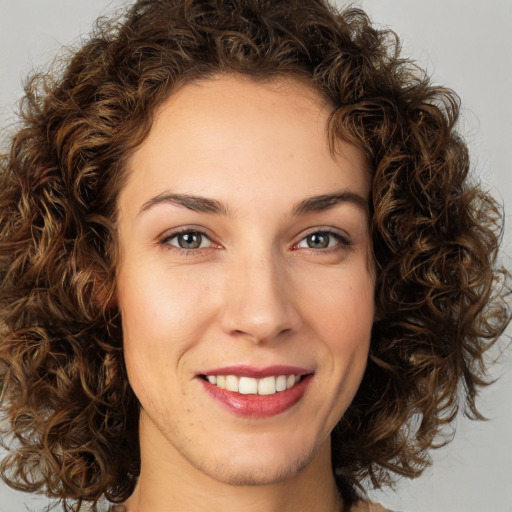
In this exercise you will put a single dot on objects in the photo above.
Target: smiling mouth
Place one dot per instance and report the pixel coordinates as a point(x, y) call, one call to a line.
point(260, 395)
point(252, 386)
point(257, 392)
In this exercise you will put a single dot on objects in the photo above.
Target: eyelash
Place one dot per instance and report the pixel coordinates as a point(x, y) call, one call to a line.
point(165, 241)
point(342, 241)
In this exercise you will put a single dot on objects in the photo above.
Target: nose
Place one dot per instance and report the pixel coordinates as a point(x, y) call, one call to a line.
point(258, 303)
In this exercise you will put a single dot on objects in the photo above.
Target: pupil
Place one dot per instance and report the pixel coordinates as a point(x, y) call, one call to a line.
point(318, 241)
point(189, 240)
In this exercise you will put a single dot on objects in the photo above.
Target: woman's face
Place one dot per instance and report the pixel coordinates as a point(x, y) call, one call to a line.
point(245, 280)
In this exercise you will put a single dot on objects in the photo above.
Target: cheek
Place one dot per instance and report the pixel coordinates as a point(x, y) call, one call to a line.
point(343, 309)
point(163, 316)
point(161, 305)
point(342, 316)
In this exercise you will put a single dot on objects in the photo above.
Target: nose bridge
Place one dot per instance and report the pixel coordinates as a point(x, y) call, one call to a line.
point(258, 302)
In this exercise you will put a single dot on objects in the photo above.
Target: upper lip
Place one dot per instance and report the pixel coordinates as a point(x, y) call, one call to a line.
point(258, 372)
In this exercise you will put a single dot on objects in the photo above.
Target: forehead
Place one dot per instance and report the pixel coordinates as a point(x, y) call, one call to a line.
point(231, 133)
point(241, 108)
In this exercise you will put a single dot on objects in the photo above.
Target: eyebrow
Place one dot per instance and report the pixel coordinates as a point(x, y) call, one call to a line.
point(194, 203)
point(212, 206)
point(326, 201)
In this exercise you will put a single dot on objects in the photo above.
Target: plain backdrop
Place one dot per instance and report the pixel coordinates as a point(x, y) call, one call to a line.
point(466, 45)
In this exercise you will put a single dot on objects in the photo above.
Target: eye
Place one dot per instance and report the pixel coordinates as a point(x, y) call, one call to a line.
point(188, 240)
point(322, 240)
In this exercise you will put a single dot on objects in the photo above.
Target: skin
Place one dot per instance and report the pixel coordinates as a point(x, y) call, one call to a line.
point(254, 293)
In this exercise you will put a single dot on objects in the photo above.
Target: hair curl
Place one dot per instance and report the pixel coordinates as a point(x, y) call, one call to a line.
point(65, 393)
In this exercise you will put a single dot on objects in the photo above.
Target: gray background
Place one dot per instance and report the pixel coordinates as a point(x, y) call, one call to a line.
point(466, 45)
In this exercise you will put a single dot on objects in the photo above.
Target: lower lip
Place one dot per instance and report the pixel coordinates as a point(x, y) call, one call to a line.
point(258, 406)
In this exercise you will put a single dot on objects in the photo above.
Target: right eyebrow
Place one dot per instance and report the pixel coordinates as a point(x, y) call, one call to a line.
point(194, 203)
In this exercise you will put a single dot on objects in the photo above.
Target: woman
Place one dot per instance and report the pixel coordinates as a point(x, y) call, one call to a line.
point(242, 264)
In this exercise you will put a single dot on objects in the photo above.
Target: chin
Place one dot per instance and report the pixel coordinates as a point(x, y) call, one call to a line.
point(251, 473)
point(263, 464)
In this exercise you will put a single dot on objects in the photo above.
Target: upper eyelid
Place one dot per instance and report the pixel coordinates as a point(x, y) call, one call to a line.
point(330, 230)
point(171, 233)
point(174, 234)
point(342, 241)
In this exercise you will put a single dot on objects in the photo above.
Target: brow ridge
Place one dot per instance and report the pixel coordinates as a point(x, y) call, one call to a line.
point(326, 201)
point(191, 202)
point(212, 206)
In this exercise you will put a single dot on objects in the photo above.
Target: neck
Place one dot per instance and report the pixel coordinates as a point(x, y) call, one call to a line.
point(168, 483)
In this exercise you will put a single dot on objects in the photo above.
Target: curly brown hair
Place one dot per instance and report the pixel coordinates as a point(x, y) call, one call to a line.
point(70, 411)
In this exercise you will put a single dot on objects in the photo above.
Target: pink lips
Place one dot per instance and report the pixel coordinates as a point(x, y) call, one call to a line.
point(258, 406)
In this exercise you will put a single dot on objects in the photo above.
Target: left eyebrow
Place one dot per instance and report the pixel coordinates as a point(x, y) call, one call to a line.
point(326, 201)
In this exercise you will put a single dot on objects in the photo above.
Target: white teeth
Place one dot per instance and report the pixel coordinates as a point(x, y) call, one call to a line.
point(232, 383)
point(281, 383)
point(221, 381)
point(250, 386)
point(267, 386)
